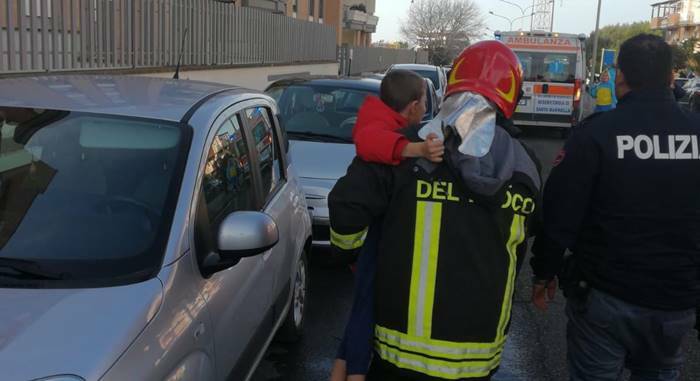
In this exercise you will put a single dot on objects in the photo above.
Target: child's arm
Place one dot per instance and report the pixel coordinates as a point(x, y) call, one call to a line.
point(431, 149)
point(379, 145)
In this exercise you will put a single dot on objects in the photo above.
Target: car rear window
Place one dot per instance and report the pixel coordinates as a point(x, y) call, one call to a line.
point(432, 75)
point(322, 111)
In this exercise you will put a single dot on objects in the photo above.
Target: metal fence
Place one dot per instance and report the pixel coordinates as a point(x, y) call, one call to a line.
point(363, 60)
point(65, 35)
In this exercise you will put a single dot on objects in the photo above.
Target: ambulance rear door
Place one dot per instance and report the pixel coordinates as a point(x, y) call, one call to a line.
point(549, 88)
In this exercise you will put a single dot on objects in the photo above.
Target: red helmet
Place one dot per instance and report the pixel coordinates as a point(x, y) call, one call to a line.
point(491, 69)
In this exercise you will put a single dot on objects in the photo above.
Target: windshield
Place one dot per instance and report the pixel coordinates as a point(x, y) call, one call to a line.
point(320, 112)
point(87, 196)
point(548, 67)
point(432, 75)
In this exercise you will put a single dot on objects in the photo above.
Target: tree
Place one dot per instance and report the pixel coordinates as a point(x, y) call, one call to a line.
point(680, 57)
point(612, 36)
point(443, 27)
point(688, 47)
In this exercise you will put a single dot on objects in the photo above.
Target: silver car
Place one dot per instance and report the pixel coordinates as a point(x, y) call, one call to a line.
point(149, 230)
point(318, 114)
point(436, 74)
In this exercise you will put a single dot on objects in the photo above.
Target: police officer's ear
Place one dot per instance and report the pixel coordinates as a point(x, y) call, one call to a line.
point(621, 86)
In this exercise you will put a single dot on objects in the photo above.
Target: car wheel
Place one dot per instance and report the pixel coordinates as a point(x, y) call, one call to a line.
point(293, 326)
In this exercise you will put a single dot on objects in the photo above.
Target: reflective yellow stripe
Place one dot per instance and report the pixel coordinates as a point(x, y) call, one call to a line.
point(348, 241)
point(517, 236)
point(426, 244)
point(438, 348)
point(449, 370)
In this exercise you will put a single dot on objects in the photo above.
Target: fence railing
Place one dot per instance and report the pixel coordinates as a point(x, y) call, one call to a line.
point(65, 35)
point(364, 60)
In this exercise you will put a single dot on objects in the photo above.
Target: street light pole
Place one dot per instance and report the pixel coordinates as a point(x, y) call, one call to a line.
point(503, 17)
point(520, 18)
point(595, 39)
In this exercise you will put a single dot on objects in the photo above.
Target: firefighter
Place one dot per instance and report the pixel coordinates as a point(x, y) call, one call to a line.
point(623, 198)
point(452, 234)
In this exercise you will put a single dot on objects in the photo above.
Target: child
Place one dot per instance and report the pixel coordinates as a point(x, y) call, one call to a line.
point(377, 139)
point(604, 93)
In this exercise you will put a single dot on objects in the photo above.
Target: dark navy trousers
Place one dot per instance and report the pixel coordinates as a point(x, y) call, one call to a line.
point(356, 347)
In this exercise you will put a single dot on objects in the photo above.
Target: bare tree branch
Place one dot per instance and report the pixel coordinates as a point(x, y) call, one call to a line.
point(443, 25)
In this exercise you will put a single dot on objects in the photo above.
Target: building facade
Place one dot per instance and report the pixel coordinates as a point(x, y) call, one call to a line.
point(679, 19)
point(354, 20)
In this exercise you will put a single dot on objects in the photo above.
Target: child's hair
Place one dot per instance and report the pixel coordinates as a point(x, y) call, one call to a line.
point(401, 87)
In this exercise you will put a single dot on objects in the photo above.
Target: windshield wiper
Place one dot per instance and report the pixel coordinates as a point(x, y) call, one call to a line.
point(318, 136)
point(26, 269)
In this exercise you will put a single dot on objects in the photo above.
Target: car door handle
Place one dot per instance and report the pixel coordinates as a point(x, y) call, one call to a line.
point(199, 331)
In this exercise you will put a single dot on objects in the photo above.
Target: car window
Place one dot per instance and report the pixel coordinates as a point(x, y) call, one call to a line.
point(432, 75)
point(227, 183)
point(548, 67)
point(430, 99)
point(328, 113)
point(258, 120)
point(73, 185)
point(275, 93)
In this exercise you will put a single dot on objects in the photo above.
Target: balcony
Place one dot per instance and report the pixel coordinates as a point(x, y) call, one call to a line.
point(371, 25)
point(358, 20)
point(275, 6)
point(355, 20)
point(666, 15)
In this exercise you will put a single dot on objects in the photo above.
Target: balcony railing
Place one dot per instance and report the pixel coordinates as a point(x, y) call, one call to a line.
point(358, 20)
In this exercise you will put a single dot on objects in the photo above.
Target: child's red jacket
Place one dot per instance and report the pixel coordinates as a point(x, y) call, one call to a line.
point(376, 133)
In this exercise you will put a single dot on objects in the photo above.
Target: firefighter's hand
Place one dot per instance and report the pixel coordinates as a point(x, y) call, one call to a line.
point(543, 293)
point(434, 148)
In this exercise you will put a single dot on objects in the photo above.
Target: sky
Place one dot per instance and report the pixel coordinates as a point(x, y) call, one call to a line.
point(570, 16)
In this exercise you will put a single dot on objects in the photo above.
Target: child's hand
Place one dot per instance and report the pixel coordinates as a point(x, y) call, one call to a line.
point(433, 148)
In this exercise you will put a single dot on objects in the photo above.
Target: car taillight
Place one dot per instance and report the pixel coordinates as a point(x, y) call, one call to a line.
point(577, 102)
point(577, 91)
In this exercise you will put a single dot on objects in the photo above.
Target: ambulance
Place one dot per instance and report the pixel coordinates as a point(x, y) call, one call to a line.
point(554, 73)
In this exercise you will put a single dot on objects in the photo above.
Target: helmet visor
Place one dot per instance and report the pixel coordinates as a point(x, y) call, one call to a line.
point(470, 116)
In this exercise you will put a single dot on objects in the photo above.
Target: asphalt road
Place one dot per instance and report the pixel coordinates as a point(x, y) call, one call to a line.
point(536, 349)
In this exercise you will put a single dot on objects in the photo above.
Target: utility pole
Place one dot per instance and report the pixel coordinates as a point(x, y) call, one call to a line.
point(595, 38)
point(551, 24)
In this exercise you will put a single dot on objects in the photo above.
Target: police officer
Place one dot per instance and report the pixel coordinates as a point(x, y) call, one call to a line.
point(452, 234)
point(623, 197)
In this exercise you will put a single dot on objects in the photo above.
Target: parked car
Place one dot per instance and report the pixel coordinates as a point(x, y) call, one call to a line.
point(151, 229)
point(680, 82)
point(435, 74)
point(432, 106)
point(318, 115)
point(691, 98)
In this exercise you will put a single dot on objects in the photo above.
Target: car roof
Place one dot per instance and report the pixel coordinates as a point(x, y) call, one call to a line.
point(136, 96)
point(414, 67)
point(357, 83)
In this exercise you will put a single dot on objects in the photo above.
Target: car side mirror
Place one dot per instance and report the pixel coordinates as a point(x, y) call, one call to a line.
point(246, 234)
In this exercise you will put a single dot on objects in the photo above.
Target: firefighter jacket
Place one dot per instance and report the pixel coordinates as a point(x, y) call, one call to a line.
point(448, 256)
